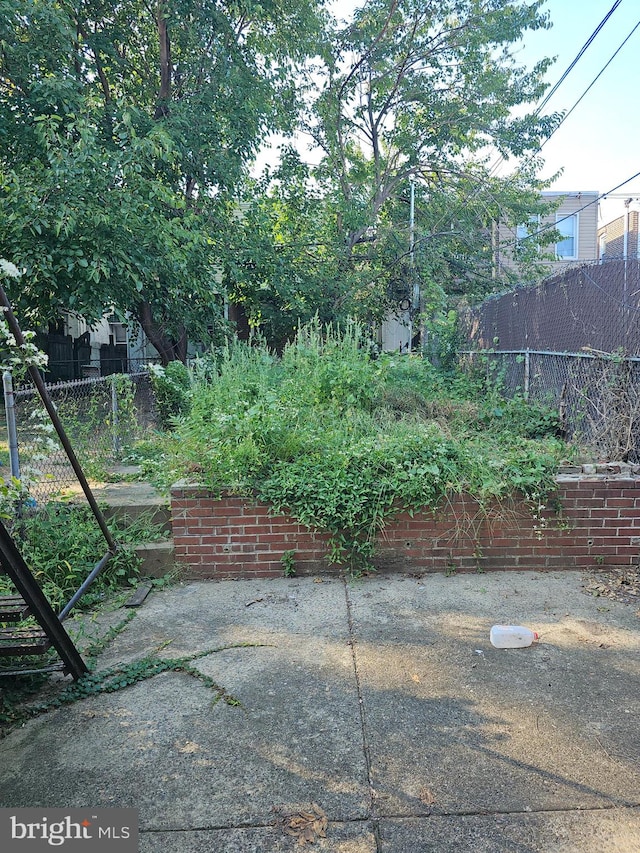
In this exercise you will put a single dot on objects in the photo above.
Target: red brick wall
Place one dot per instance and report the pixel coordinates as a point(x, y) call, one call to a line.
point(599, 525)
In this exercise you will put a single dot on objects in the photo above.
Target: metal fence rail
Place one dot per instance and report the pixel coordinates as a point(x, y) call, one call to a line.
point(101, 416)
point(597, 395)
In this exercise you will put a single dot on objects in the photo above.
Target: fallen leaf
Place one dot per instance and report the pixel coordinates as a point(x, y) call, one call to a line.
point(619, 584)
point(188, 747)
point(305, 824)
point(426, 797)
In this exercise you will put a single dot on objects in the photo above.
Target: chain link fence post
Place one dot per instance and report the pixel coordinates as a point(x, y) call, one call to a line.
point(115, 435)
point(12, 432)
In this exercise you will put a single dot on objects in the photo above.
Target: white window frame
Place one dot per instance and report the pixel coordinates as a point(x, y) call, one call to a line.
point(119, 333)
point(524, 230)
point(563, 218)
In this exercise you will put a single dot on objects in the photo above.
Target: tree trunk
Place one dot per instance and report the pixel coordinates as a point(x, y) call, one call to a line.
point(166, 70)
point(168, 348)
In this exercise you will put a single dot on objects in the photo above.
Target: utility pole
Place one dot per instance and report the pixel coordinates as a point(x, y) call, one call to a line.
point(415, 284)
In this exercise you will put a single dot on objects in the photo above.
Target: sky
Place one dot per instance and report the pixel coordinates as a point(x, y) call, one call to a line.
point(597, 147)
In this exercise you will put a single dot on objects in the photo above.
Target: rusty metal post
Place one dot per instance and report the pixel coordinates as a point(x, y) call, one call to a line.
point(55, 420)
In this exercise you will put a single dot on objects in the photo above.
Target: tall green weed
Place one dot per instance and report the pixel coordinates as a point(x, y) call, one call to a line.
point(343, 441)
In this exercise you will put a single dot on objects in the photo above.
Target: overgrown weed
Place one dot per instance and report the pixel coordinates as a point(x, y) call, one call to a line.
point(343, 441)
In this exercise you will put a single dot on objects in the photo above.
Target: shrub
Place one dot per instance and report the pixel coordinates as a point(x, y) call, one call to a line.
point(171, 386)
point(343, 441)
point(61, 543)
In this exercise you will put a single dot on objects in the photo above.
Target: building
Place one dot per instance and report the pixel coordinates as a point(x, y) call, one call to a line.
point(618, 239)
point(77, 350)
point(575, 219)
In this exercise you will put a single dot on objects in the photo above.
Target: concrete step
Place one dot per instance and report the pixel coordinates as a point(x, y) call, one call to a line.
point(129, 501)
point(157, 558)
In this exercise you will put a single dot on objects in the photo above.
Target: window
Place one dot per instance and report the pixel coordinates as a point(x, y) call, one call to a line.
point(567, 247)
point(118, 332)
point(524, 231)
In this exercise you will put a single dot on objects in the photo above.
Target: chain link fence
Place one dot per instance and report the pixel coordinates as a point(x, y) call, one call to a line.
point(102, 417)
point(593, 307)
point(597, 396)
point(573, 343)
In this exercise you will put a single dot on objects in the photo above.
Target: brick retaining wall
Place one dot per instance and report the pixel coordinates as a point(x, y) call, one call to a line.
point(599, 525)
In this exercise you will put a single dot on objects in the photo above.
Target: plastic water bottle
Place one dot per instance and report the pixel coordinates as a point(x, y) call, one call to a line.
point(511, 636)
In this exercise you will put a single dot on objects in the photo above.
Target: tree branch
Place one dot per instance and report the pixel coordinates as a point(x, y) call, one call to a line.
point(164, 96)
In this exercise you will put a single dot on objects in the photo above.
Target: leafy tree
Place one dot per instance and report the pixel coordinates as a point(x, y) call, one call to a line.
point(285, 265)
point(422, 91)
point(125, 128)
point(408, 91)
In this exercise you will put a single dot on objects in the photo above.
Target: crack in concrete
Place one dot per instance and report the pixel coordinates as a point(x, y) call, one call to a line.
point(395, 817)
point(363, 718)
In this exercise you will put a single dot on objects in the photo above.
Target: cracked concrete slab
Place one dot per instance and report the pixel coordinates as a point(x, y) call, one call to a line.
point(610, 831)
point(380, 702)
point(456, 726)
point(340, 838)
point(290, 737)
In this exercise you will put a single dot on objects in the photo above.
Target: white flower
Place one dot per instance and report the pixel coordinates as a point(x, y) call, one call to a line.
point(155, 369)
point(9, 269)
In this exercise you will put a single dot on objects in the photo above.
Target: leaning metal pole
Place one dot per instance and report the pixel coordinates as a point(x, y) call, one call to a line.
point(14, 565)
point(55, 420)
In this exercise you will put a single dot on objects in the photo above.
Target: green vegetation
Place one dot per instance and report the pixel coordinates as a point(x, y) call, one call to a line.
point(128, 130)
point(171, 386)
point(343, 441)
point(61, 543)
point(24, 699)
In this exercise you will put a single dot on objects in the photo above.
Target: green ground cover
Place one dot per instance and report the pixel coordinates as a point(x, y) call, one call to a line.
point(343, 440)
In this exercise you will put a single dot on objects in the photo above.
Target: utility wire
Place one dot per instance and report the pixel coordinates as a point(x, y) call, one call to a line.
point(566, 116)
point(579, 56)
point(563, 77)
point(590, 86)
point(579, 210)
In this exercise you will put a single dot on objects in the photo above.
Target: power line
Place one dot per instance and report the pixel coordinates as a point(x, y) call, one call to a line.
point(590, 86)
point(566, 116)
point(573, 213)
point(579, 56)
point(563, 77)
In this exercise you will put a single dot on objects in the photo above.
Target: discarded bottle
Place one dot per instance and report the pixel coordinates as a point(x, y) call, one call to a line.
point(511, 636)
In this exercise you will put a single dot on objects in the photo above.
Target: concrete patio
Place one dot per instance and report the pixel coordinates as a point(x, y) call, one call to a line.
point(367, 716)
